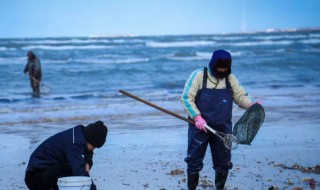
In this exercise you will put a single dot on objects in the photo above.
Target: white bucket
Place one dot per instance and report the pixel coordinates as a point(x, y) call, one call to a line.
point(74, 183)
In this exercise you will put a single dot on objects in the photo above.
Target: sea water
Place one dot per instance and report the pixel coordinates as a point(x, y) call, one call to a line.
point(85, 74)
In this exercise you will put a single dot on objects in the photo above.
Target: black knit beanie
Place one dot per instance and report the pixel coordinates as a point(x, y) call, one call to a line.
point(96, 133)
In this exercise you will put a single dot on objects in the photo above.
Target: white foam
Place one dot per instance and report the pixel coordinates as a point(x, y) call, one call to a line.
point(6, 49)
point(276, 37)
point(261, 43)
point(180, 44)
point(108, 61)
point(315, 35)
point(47, 47)
point(229, 38)
point(14, 60)
point(310, 41)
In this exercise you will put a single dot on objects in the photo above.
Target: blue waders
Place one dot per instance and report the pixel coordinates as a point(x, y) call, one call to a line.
point(215, 106)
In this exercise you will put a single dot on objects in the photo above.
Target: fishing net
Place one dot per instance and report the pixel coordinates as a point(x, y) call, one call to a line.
point(249, 124)
point(45, 89)
point(229, 140)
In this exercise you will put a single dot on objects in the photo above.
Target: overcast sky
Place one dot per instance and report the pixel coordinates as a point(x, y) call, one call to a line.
point(56, 18)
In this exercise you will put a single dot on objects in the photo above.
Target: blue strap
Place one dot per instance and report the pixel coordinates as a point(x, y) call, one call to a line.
point(228, 85)
point(205, 77)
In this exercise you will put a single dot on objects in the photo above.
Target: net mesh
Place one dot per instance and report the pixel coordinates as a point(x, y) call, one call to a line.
point(230, 141)
point(45, 89)
point(249, 124)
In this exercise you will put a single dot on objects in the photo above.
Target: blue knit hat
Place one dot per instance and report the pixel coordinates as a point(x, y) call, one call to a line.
point(220, 58)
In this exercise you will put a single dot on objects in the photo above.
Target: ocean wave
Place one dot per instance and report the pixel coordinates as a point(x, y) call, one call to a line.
point(10, 60)
point(50, 120)
point(112, 61)
point(54, 103)
point(118, 59)
point(234, 53)
point(23, 60)
point(51, 61)
point(277, 86)
point(261, 43)
point(229, 38)
point(47, 47)
point(7, 49)
point(312, 50)
point(277, 50)
point(9, 100)
point(310, 41)
point(180, 56)
point(85, 79)
point(57, 41)
point(179, 44)
point(125, 41)
point(315, 35)
point(184, 54)
point(77, 41)
point(186, 58)
point(204, 54)
point(83, 96)
point(113, 36)
point(278, 37)
point(75, 104)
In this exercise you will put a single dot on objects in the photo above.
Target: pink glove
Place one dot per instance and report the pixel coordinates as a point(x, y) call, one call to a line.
point(200, 123)
point(255, 102)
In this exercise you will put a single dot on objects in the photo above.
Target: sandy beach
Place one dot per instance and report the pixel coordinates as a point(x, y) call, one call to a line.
point(146, 148)
point(148, 153)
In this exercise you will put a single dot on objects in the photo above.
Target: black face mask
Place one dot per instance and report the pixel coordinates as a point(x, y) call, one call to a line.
point(222, 75)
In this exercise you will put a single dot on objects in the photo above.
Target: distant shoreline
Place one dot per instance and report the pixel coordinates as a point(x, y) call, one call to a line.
point(269, 30)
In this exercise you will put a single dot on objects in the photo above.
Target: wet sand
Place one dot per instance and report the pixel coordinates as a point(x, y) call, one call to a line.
point(149, 154)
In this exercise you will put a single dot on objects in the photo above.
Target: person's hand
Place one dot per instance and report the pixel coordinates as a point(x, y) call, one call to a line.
point(200, 123)
point(87, 167)
point(93, 186)
point(255, 103)
point(35, 83)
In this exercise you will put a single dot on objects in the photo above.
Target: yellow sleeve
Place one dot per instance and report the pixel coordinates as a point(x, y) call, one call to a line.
point(240, 96)
point(191, 88)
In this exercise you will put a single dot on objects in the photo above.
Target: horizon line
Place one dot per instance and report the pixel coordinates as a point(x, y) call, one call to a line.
point(269, 30)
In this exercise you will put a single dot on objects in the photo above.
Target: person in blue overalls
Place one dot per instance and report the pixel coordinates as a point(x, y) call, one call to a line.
point(207, 98)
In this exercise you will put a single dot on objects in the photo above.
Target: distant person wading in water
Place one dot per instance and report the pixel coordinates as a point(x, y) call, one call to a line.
point(33, 66)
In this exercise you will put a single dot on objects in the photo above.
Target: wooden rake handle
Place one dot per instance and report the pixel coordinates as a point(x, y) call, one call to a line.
point(157, 107)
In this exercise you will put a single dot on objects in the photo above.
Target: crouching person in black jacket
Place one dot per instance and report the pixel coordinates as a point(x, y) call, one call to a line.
point(68, 153)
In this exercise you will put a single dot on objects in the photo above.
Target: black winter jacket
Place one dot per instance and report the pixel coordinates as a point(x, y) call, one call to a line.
point(67, 147)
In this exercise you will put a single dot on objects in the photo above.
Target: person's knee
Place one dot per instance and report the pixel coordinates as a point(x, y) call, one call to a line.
point(28, 180)
point(34, 180)
point(60, 170)
point(223, 168)
point(53, 173)
point(194, 166)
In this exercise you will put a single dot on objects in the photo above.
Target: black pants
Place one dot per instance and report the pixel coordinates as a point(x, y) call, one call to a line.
point(46, 179)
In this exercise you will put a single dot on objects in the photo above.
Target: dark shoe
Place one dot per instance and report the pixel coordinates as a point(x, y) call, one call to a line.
point(193, 180)
point(220, 180)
